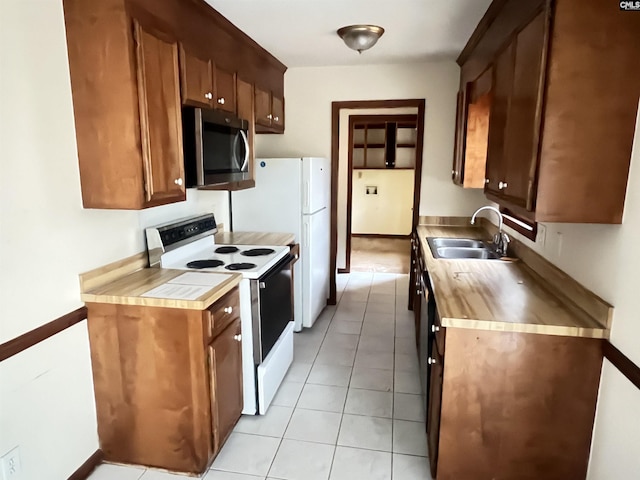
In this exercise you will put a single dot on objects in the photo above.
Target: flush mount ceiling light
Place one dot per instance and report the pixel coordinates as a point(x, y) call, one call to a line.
point(360, 37)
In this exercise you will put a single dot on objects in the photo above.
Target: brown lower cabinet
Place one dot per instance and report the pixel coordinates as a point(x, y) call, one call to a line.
point(167, 382)
point(511, 406)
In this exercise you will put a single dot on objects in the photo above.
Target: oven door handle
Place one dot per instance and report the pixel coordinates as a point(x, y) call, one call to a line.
point(286, 260)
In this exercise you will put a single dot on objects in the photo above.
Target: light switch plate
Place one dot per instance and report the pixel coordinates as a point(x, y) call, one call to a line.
point(541, 237)
point(10, 465)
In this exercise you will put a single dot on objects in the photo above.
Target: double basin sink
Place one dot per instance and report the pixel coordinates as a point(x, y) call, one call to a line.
point(461, 248)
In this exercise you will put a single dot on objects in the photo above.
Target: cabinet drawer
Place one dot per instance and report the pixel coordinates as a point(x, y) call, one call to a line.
point(221, 313)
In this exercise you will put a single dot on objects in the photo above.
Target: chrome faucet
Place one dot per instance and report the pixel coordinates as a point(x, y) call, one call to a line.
point(500, 240)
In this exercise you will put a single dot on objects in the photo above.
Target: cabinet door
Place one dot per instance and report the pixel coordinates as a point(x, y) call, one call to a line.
point(225, 357)
point(277, 111)
point(435, 407)
point(502, 85)
point(196, 78)
point(160, 115)
point(263, 107)
point(523, 129)
point(225, 91)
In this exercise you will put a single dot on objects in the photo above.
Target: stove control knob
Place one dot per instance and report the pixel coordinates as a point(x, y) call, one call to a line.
point(228, 309)
point(237, 338)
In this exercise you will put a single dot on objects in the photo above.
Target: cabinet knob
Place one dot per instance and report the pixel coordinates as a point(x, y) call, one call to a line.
point(486, 181)
point(178, 181)
point(238, 337)
point(276, 119)
point(431, 361)
point(221, 100)
point(435, 328)
point(228, 309)
point(269, 116)
point(418, 292)
point(208, 95)
point(502, 185)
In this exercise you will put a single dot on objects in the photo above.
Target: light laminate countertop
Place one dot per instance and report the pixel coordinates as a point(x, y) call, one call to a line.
point(129, 289)
point(254, 238)
point(498, 295)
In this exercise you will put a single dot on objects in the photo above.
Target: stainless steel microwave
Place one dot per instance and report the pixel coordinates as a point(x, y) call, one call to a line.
point(216, 148)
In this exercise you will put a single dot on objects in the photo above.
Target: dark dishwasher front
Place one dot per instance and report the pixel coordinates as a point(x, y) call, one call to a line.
point(427, 335)
point(274, 307)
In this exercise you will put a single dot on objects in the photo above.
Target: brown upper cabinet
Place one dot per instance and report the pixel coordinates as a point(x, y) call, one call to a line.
point(196, 76)
point(562, 107)
point(126, 102)
point(127, 98)
point(269, 112)
point(204, 84)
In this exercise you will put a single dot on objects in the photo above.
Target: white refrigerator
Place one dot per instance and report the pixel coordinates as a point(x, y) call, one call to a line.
point(292, 195)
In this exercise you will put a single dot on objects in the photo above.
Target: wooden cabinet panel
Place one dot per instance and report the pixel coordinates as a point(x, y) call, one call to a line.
point(523, 129)
point(151, 386)
point(263, 107)
point(225, 91)
point(160, 114)
point(225, 358)
point(502, 86)
point(277, 110)
point(196, 78)
point(517, 406)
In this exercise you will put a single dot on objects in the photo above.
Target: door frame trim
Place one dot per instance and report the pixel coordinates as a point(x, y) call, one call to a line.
point(418, 103)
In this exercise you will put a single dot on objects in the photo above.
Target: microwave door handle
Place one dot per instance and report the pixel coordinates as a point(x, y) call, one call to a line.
point(246, 150)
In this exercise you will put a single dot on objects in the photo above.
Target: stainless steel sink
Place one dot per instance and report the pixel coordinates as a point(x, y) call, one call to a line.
point(466, 252)
point(460, 248)
point(457, 242)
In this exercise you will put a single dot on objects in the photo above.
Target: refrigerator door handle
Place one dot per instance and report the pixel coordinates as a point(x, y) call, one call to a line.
point(307, 197)
point(306, 234)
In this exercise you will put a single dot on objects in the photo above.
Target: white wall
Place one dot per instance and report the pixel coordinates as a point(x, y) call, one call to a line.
point(309, 92)
point(47, 239)
point(606, 259)
point(389, 211)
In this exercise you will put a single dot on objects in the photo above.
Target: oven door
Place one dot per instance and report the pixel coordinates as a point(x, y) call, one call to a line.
point(272, 307)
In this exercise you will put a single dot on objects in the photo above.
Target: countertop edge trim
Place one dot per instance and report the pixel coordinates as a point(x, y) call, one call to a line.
point(41, 333)
point(496, 326)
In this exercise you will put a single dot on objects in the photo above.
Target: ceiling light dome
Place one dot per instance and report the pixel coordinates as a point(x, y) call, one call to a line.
point(360, 37)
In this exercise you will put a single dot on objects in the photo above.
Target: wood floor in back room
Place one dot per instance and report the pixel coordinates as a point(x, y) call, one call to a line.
point(384, 255)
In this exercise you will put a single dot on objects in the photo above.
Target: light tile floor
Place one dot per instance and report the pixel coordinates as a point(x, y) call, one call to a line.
point(349, 408)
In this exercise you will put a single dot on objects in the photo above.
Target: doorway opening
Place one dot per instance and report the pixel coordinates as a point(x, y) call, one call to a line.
point(376, 164)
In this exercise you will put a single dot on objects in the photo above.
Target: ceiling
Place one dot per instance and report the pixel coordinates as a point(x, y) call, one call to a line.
point(303, 32)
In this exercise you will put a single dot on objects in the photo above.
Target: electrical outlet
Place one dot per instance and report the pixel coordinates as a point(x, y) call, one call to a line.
point(10, 464)
point(541, 238)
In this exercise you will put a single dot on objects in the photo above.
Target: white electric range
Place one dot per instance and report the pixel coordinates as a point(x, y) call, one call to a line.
point(266, 310)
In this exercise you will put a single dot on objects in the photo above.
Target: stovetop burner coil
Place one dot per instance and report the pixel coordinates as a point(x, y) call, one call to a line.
point(240, 266)
point(205, 264)
point(257, 252)
point(227, 249)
